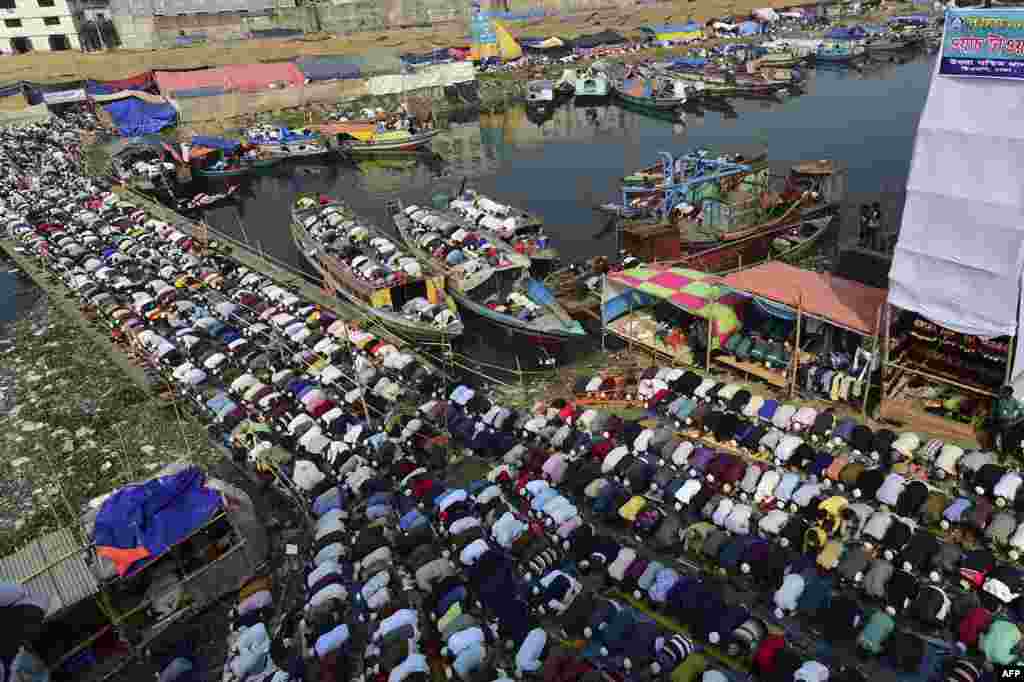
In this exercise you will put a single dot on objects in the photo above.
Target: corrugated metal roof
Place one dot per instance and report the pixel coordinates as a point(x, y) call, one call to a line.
point(66, 582)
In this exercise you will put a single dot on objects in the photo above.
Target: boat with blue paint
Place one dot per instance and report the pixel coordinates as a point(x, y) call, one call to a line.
point(484, 275)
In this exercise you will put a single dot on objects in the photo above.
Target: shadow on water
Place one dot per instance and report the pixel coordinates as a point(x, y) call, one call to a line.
point(564, 163)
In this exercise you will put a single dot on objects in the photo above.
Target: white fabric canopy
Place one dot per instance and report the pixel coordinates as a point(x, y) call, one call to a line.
point(960, 254)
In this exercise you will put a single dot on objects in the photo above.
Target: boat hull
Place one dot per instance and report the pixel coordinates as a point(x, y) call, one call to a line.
point(404, 328)
point(409, 145)
point(507, 322)
point(750, 251)
point(253, 167)
point(660, 105)
point(592, 88)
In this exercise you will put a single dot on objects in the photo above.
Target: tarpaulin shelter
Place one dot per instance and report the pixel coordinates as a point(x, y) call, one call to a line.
point(697, 293)
point(676, 32)
point(959, 259)
point(143, 81)
point(766, 14)
point(140, 522)
point(749, 28)
point(133, 116)
point(846, 33)
point(491, 40)
point(34, 92)
point(211, 142)
point(234, 77)
point(824, 296)
point(637, 87)
point(328, 67)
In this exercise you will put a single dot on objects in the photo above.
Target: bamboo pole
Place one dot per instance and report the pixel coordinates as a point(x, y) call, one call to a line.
point(795, 365)
point(707, 353)
point(886, 342)
point(874, 354)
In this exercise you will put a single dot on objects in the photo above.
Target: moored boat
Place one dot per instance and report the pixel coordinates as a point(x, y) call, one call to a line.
point(392, 141)
point(236, 169)
point(272, 137)
point(299, 150)
point(364, 267)
point(485, 276)
point(837, 52)
point(593, 84)
point(519, 229)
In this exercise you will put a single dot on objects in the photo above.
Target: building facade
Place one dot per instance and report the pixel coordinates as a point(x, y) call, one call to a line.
point(39, 26)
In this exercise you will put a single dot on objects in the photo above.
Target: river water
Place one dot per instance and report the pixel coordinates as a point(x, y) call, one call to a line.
point(563, 167)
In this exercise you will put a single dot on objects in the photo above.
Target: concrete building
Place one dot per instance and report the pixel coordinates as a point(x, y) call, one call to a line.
point(39, 25)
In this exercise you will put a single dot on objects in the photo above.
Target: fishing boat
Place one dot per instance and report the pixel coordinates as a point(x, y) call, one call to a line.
point(592, 83)
point(891, 43)
point(299, 150)
point(485, 277)
point(700, 203)
point(365, 268)
point(787, 242)
point(837, 52)
point(540, 92)
point(651, 95)
point(390, 142)
point(234, 169)
point(272, 137)
point(519, 229)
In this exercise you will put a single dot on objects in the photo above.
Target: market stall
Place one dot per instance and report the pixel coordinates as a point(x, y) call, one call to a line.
point(833, 322)
point(940, 378)
point(676, 314)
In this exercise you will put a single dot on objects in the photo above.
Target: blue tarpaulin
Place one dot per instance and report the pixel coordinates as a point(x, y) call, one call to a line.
point(689, 63)
point(132, 116)
point(749, 28)
point(329, 68)
point(216, 142)
point(842, 33)
point(152, 517)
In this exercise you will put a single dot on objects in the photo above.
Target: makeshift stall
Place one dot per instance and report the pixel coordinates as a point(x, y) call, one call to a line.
point(161, 550)
point(939, 378)
point(673, 313)
point(833, 322)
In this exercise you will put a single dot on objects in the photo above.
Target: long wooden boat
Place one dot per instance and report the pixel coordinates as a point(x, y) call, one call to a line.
point(237, 171)
point(788, 242)
point(389, 143)
point(665, 105)
point(488, 279)
point(403, 296)
point(298, 151)
point(520, 230)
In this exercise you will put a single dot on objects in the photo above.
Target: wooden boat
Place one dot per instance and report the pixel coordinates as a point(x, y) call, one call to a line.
point(488, 278)
point(540, 92)
point(520, 230)
point(787, 242)
point(301, 150)
point(271, 137)
point(890, 43)
point(394, 141)
point(237, 170)
point(591, 83)
point(835, 53)
point(363, 266)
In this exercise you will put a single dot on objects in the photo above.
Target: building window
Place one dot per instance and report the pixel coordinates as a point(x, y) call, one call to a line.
point(46, 3)
point(7, 4)
point(51, 21)
point(12, 23)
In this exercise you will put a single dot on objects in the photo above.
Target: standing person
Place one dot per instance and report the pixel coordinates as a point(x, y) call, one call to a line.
point(1007, 417)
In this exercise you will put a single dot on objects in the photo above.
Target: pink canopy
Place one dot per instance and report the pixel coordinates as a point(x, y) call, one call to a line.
point(240, 77)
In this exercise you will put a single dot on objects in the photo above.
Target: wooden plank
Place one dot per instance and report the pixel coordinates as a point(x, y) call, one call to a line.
point(770, 376)
point(915, 419)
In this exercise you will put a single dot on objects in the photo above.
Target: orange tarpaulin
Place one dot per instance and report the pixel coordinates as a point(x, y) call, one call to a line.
point(847, 303)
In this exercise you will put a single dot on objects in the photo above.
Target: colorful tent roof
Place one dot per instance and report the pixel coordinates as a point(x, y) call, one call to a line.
point(698, 293)
point(491, 40)
point(675, 31)
point(234, 77)
point(841, 301)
